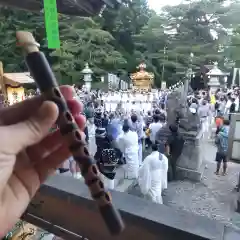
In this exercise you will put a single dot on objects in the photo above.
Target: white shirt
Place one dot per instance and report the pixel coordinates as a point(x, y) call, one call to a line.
point(228, 105)
point(128, 141)
point(154, 128)
point(236, 104)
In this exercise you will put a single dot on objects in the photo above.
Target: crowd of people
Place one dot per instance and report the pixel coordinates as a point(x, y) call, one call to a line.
point(122, 125)
point(119, 130)
point(118, 133)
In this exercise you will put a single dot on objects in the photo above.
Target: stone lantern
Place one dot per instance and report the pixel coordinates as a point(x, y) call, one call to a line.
point(87, 72)
point(214, 75)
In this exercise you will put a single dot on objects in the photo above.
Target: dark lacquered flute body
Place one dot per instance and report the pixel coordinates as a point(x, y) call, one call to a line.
point(47, 83)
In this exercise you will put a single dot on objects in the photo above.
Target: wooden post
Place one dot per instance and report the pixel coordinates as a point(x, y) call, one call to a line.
point(2, 84)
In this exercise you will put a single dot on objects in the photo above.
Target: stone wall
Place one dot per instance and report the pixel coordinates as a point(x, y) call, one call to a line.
point(63, 207)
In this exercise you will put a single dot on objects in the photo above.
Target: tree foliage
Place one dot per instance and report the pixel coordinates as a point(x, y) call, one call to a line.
point(120, 39)
point(83, 41)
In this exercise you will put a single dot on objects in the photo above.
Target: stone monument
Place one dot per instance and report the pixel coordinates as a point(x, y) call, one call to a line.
point(87, 73)
point(189, 164)
point(214, 75)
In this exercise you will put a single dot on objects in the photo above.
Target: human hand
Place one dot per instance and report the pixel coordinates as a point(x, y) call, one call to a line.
point(29, 153)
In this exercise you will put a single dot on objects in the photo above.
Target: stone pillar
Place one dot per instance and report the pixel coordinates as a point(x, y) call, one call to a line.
point(88, 85)
point(214, 83)
point(189, 164)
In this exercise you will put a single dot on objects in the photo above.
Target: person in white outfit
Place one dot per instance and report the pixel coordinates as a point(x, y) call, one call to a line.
point(227, 106)
point(128, 144)
point(204, 111)
point(91, 133)
point(136, 125)
point(152, 176)
point(154, 128)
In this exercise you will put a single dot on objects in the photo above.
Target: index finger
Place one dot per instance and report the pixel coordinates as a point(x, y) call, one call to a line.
point(23, 110)
point(20, 111)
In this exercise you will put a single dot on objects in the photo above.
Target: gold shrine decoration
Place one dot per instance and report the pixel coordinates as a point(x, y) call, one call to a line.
point(15, 94)
point(25, 232)
point(142, 80)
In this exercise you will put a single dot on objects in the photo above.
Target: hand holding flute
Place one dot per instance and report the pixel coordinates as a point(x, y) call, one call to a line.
point(44, 78)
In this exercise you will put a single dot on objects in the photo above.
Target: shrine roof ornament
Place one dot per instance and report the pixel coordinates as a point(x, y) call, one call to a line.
point(68, 7)
point(142, 73)
point(87, 70)
point(215, 71)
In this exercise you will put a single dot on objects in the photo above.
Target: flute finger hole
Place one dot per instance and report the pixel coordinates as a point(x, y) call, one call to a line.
point(78, 135)
point(100, 183)
point(68, 117)
point(94, 169)
point(86, 151)
point(57, 92)
point(107, 197)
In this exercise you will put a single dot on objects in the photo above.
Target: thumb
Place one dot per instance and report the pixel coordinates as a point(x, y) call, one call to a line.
point(31, 131)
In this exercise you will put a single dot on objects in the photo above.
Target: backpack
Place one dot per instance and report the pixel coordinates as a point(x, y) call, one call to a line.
point(109, 157)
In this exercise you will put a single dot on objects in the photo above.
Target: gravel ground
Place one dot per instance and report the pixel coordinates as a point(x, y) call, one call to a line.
point(213, 197)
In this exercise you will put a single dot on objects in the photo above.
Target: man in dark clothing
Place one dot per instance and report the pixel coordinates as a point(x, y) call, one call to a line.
point(174, 147)
point(232, 108)
point(106, 155)
point(149, 118)
point(105, 120)
point(89, 111)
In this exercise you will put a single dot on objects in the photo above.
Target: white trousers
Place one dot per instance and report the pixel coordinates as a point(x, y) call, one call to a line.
point(140, 150)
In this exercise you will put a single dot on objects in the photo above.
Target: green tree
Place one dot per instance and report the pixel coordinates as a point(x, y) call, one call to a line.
point(13, 20)
point(82, 40)
point(124, 24)
point(196, 27)
point(232, 51)
point(150, 46)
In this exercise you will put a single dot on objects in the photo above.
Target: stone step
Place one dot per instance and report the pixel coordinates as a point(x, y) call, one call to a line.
point(125, 185)
point(119, 178)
